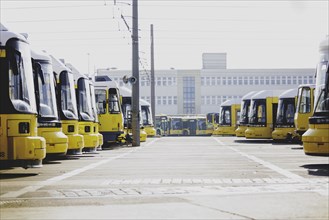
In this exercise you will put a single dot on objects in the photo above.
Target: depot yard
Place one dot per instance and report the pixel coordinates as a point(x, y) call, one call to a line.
point(173, 178)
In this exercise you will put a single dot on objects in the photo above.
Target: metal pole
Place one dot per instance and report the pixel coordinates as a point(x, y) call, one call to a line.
point(135, 70)
point(152, 76)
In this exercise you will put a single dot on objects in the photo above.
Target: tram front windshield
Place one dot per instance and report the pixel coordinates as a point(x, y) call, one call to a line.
point(46, 88)
point(245, 112)
point(85, 108)
point(20, 73)
point(146, 115)
point(286, 111)
point(225, 115)
point(258, 112)
point(68, 99)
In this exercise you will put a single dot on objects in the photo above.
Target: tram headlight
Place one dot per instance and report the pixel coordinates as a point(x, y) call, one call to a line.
point(87, 129)
point(24, 127)
point(70, 128)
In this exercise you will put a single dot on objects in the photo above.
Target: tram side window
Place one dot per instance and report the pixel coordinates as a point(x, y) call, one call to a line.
point(323, 103)
point(100, 96)
point(114, 104)
point(261, 114)
point(305, 104)
point(227, 116)
point(202, 124)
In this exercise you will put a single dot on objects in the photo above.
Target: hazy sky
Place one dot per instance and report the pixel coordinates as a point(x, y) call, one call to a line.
point(254, 34)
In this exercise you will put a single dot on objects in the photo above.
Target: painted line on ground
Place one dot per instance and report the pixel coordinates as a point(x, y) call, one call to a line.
point(269, 165)
point(15, 194)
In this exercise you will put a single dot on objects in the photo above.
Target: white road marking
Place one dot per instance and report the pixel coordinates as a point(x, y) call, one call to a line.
point(72, 173)
point(269, 165)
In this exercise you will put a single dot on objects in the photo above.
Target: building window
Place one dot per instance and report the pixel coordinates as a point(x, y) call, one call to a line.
point(207, 100)
point(148, 99)
point(305, 79)
point(208, 81)
point(245, 80)
point(256, 80)
point(235, 82)
point(219, 100)
point(213, 100)
point(202, 81)
point(174, 81)
point(310, 79)
point(202, 100)
point(224, 80)
point(262, 80)
point(294, 80)
point(240, 80)
point(273, 80)
point(224, 98)
point(158, 81)
point(213, 81)
point(229, 80)
point(169, 81)
point(158, 100)
point(284, 80)
point(169, 100)
point(300, 80)
point(189, 94)
point(267, 80)
point(278, 80)
point(288, 80)
point(175, 100)
point(251, 80)
point(218, 81)
point(164, 81)
point(164, 100)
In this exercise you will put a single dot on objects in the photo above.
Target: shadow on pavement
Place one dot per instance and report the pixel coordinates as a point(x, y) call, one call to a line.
point(254, 141)
point(16, 175)
point(317, 169)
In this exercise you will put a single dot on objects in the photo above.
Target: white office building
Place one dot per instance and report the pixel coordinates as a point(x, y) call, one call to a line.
point(199, 91)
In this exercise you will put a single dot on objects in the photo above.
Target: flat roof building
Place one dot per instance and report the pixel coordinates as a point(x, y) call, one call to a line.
point(200, 91)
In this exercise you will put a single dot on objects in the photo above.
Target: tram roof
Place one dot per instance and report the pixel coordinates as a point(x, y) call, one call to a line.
point(6, 34)
point(263, 94)
point(231, 102)
point(105, 82)
point(248, 95)
point(40, 55)
point(125, 92)
point(143, 102)
point(307, 85)
point(290, 93)
point(76, 73)
point(59, 66)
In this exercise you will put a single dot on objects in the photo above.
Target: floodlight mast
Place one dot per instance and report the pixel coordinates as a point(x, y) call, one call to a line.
point(135, 70)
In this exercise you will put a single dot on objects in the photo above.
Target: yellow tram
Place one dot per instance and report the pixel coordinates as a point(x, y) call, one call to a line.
point(316, 138)
point(49, 124)
point(19, 143)
point(67, 105)
point(284, 124)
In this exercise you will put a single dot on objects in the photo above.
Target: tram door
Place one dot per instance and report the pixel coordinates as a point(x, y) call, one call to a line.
point(192, 126)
